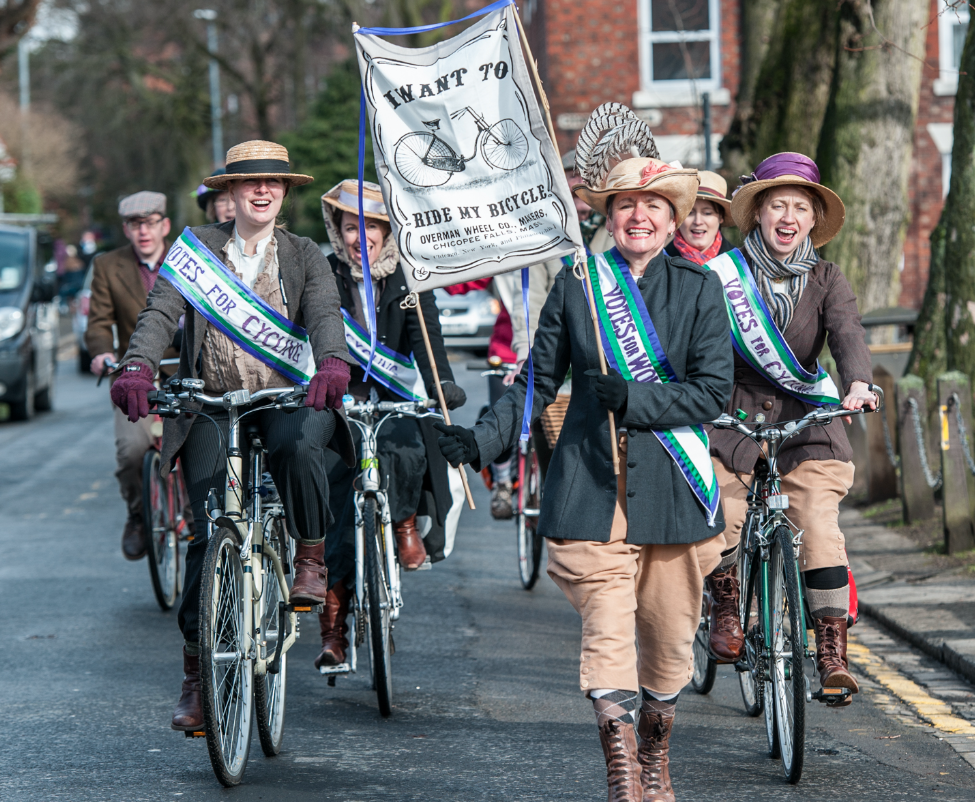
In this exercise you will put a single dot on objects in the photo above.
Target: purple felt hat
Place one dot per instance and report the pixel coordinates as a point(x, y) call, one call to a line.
point(788, 169)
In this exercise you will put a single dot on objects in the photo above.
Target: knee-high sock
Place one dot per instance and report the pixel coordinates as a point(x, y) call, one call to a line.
point(828, 592)
point(614, 705)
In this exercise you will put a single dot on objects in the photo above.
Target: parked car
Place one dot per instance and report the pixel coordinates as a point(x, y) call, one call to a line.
point(79, 323)
point(467, 320)
point(28, 323)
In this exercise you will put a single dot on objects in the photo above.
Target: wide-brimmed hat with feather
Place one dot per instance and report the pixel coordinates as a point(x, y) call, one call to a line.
point(616, 153)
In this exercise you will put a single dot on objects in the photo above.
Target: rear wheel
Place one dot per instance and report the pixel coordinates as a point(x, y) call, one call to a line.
point(788, 654)
point(379, 605)
point(158, 507)
point(529, 501)
point(269, 690)
point(705, 666)
point(226, 672)
point(24, 410)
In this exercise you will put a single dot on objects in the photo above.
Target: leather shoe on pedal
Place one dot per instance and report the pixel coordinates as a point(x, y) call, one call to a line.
point(311, 577)
point(412, 552)
point(188, 716)
point(333, 626)
point(134, 545)
point(831, 659)
point(726, 639)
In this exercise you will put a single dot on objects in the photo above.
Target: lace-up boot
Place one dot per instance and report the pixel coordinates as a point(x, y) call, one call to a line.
point(727, 639)
point(654, 755)
point(831, 659)
point(622, 768)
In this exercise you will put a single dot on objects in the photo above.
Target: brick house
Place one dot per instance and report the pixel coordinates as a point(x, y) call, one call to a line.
point(631, 51)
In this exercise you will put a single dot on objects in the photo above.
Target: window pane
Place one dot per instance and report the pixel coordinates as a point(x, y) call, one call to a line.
point(679, 15)
point(958, 32)
point(670, 64)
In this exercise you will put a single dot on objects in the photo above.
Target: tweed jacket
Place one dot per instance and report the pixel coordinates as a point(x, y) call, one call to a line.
point(686, 305)
point(312, 302)
point(117, 297)
point(827, 308)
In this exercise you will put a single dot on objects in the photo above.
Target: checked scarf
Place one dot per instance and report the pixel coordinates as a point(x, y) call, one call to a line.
point(766, 268)
point(692, 254)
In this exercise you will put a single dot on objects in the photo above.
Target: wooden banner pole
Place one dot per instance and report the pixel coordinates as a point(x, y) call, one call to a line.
point(589, 293)
point(436, 378)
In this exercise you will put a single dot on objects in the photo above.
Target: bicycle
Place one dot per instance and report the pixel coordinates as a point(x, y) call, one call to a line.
point(527, 486)
point(426, 160)
point(164, 505)
point(378, 595)
point(771, 671)
point(247, 622)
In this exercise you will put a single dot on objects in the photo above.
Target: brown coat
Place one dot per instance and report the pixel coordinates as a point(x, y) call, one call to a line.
point(117, 297)
point(827, 307)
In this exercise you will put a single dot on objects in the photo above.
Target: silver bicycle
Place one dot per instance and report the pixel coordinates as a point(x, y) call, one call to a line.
point(247, 623)
point(378, 590)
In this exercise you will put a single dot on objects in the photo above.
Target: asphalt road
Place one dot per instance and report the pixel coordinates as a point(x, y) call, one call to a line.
point(486, 699)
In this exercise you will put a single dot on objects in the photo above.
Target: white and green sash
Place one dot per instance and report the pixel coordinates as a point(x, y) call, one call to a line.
point(633, 348)
point(389, 368)
point(757, 338)
point(236, 310)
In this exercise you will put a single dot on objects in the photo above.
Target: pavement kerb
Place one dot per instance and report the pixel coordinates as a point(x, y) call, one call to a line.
point(940, 651)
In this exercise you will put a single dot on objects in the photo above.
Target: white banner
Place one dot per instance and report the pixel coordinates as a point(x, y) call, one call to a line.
point(471, 179)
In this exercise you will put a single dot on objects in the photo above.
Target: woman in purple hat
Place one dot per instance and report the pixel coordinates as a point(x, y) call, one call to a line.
point(785, 214)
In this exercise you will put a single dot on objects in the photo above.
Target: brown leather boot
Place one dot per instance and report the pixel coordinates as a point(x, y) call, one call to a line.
point(831, 659)
point(726, 639)
point(622, 769)
point(412, 552)
point(654, 754)
point(334, 628)
point(188, 716)
point(311, 577)
point(134, 545)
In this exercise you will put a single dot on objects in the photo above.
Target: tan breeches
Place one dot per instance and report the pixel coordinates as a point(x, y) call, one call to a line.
point(815, 489)
point(132, 441)
point(640, 605)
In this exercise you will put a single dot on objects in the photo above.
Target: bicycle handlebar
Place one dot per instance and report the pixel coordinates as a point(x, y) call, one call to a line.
point(387, 407)
point(168, 403)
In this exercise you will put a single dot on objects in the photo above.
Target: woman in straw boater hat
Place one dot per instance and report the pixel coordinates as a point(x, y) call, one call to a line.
point(786, 214)
point(292, 276)
point(699, 236)
point(408, 454)
point(629, 552)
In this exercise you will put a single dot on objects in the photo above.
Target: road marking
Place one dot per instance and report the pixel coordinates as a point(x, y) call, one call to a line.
point(959, 733)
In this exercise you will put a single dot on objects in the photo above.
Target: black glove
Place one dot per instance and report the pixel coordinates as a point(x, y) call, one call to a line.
point(609, 389)
point(457, 445)
point(453, 395)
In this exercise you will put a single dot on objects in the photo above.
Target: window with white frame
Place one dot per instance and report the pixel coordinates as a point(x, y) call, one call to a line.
point(679, 49)
point(952, 28)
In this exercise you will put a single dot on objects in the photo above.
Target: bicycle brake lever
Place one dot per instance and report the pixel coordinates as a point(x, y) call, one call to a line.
point(291, 401)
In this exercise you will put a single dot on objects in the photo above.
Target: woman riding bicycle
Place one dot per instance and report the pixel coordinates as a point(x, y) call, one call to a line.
point(290, 275)
point(629, 552)
point(699, 237)
point(786, 214)
point(409, 458)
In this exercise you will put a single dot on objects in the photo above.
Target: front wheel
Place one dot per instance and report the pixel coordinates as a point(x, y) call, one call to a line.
point(751, 680)
point(504, 145)
point(226, 671)
point(380, 606)
point(705, 666)
point(788, 654)
point(158, 507)
point(529, 503)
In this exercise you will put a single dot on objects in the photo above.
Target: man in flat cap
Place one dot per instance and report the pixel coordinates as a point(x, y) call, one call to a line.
point(121, 280)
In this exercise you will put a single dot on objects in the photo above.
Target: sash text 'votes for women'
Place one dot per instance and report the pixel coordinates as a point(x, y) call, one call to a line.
point(628, 336)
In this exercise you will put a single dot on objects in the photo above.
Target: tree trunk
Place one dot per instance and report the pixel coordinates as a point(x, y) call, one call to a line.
point(867, 140)
point(959, 211)
point(929, 357)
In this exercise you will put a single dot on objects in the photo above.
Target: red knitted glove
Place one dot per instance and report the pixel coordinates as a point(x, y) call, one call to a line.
point(329, 384)
point(130, 390)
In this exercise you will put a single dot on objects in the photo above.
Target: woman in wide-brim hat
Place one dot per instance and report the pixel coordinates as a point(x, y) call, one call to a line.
point(290, 274)
point(785, 214)
point(699, 237)
point(630, 552)
point(407, 451)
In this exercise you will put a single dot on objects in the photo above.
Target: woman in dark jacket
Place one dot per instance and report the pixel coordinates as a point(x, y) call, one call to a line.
point(415, 470)
point(630, 552)
point(786, 214)
point(699, 237)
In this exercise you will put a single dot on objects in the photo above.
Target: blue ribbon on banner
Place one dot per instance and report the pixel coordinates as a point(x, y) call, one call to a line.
point(526, 418)
point(363, 249)
point(423, 28)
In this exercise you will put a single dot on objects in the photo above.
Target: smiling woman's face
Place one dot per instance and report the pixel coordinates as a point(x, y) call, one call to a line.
point(376, 231)
point(641, 223)
point(701, 226)
point(258, 200)
point(786, 217)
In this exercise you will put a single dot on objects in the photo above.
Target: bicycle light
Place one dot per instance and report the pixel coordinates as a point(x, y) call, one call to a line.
point(780, 502)
point(348, 401)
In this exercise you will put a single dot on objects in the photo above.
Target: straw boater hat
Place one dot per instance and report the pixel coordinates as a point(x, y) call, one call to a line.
point(345, 196)
point(257, 159)
point(715, 189)
point(788, 169)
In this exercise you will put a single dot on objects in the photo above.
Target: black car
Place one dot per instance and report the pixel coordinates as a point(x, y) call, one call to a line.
point(28, 323)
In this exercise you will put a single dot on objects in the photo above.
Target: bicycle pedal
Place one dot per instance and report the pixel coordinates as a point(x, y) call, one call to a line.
point(305, 608)
point(832, 695)
point(331, 671)
point(427, 565)
point(200, 734)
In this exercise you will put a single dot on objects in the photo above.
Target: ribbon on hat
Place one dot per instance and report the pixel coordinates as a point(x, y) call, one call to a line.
point(784, 164)
point(653, 169)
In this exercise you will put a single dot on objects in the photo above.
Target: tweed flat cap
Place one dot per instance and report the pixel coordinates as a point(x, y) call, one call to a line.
point(142, 204)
